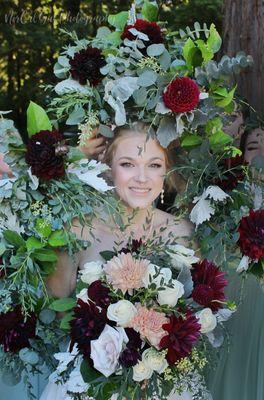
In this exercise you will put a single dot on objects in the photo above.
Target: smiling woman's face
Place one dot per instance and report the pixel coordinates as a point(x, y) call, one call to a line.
point(254, 145)
point(138, 169)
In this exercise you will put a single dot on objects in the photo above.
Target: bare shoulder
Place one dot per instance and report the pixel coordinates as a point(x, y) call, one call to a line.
point(81, 232)
point(181, 229)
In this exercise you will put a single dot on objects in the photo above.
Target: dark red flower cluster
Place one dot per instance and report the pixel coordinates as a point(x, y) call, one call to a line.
point(251, 235)
point(233, 174)
point(209, 283)
point(183, 333)
point(131, 355)
point(132, 247)
point(41, 155)
point(151, 29)
point(15, 331)
point(86, 64)
point(99, 293)
point(181, 95)
point(88, 323)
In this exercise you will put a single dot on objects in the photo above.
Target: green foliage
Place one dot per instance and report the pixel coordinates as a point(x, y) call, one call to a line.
point(37, 119)
point(62, 305)
point(150, 10)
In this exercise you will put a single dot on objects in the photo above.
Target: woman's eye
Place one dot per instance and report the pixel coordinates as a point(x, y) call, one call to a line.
point(252, 148)
point(126, 165)
point(155, 165)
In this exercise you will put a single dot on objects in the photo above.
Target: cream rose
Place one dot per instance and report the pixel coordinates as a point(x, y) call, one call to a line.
point(121, 312)
point(141, 372)
point(171, 295)
point(155, 359)
point(105, 350)
point(91, 272)
point(207, 320)
point(153, 270)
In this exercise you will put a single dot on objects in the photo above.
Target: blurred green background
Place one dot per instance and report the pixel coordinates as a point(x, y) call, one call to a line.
point(30, 40)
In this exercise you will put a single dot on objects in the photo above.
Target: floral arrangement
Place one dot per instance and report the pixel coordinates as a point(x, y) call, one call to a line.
point(48, 185)
point(138, 330)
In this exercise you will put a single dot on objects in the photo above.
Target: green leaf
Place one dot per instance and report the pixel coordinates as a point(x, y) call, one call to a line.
point(43, 227)
point(155, 49)
point(89, 374)
point(191, 140)
point(227, 99)
point(14, 238)
point(150, 11)
point(192, 54)
point(147, 78)
point(45, 255)
point(37, 119)
point(220, 139)
point(214, 41)
point(107, 254)
point(207, 53)
point(118, 20)
point(47, 316)
point(65, 304)
point(114, 38)
point(74, 154)
point(33, 243)
point(58, 238)
point(2, 248)
point(64, 323)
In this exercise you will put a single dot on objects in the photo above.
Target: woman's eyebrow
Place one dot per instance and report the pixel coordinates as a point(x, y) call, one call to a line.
point(131, 158)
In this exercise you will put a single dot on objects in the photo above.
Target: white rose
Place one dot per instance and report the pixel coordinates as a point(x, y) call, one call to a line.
point(91, 272)
point(153, 270)
point(83, 295)
point(105, 350)
point(121, 312)
point(155, 359)
point(181, 256)
point(171, 295)
point(207, 320)
point(141, 372)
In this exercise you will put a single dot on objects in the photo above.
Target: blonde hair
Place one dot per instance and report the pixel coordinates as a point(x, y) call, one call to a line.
point(143, 128)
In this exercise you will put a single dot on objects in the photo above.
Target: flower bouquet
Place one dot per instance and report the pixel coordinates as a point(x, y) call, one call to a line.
point(139, 330)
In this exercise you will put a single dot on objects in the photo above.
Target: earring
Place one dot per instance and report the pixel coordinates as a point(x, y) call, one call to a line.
point(162, 196)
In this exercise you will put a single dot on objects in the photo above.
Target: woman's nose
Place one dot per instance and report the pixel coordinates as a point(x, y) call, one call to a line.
point(141, 175)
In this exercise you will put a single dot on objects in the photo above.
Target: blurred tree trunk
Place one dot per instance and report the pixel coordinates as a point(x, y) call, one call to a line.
point(243, 29)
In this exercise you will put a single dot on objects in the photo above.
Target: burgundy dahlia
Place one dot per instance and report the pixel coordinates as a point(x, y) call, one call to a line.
point(88, 323)
point(183, 333)
point(99, 293)
point(134, 339)
point(233, 173)
point(41, 155)
point(132, 247)
point(251, 235)
point(151, 29)
point(209, 283)
point(129, 357)
point(181, 95)
point(15, 331)
point(86, 64)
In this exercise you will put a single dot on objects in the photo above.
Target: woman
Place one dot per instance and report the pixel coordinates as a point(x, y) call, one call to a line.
point(138, 169)
point(239, 374)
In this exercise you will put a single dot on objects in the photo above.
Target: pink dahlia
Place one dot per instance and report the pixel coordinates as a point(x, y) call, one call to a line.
point(181, 335)
point(125, 272)
point(181, 95)
point(251, 235)
point(209, 283)
point(149, 324)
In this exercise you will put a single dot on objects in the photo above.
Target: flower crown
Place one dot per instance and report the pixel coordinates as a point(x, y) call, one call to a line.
point(142, 71)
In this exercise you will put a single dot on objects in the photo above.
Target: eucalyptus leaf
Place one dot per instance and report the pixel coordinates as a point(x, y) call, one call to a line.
point(166, 131)
point(47, 316)
point(10, 379)
point(155, 49)
point(147, 78)
point(105, 131)
point(28, 356)
point(76, 116)
point(37, 119)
